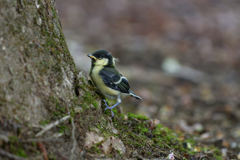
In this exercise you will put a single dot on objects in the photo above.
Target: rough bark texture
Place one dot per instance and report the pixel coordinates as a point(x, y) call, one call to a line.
point(37, 80)
point(35, 63)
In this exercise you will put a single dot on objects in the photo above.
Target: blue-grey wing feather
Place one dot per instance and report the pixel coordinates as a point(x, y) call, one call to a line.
point(114, 80)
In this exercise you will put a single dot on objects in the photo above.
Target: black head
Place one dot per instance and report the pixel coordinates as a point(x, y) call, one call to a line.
point(102, 54)
point(102, 57)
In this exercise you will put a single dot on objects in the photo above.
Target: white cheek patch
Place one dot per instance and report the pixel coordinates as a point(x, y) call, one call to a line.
point(101, 62)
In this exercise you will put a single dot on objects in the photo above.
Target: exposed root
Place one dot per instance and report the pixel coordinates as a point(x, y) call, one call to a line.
point(74, 140)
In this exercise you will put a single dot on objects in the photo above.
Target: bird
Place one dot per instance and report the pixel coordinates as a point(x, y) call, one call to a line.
point(107, 79)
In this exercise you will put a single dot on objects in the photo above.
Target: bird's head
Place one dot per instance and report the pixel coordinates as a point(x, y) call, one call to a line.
point(102, 58)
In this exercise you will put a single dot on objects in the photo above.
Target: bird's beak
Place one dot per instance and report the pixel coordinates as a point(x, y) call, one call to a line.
point(91, 56)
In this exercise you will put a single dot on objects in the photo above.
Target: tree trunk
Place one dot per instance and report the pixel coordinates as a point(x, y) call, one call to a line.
point(37, 74)
point(35, 64)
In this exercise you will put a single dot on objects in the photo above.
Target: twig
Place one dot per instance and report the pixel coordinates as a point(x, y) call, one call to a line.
point(43, 149)
point(61, 156)
point(175, 153)
point(9, 155)
point(37, 126)
point(73, 136)
point(51, 125)
point(149, 145)
point(41, 140)
point(74, 140)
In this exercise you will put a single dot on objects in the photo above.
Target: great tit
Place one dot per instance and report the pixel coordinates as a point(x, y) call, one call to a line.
point(107, 79)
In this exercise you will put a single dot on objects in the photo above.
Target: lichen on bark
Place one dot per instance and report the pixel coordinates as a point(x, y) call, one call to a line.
point(35, 62)
point(37, 73)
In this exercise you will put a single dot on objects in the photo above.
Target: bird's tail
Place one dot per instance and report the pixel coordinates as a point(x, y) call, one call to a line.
point(134, 95)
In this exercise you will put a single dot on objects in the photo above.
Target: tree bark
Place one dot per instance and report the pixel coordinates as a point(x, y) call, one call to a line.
point(37, 77)
point(35, 64)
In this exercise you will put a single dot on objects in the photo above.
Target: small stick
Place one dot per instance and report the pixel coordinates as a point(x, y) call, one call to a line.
point(74, 140)
point(43, 149)
point(73, 137)
point(61, 156)
point(51, 125)
point(40, 140)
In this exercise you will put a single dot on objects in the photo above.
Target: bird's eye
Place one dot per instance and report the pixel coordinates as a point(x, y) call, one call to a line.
point(99, 57)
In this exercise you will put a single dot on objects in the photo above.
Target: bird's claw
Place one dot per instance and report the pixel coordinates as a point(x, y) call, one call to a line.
point(107, 107)
point(105, 103)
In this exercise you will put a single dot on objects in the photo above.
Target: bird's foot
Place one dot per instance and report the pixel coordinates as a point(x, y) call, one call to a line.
point(105, 103)
point(107, 107)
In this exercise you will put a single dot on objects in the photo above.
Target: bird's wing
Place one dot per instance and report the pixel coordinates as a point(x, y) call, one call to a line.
point(114, 80)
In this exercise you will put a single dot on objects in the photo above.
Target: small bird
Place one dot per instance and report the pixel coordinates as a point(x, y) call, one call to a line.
point(107, 79)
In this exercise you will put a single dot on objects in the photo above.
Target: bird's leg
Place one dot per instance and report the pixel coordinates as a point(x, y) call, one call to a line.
point(111, 108)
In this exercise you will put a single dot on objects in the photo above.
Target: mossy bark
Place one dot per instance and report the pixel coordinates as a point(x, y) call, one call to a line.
point(35, 63)
point(37, 72)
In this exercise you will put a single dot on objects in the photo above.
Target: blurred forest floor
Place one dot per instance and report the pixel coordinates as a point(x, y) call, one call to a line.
point(181, 57)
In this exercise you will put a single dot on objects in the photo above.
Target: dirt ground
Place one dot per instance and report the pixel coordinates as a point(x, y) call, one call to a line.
point(181, 57)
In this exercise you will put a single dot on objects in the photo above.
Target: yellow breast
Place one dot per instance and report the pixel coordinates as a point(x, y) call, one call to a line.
point(97, 80)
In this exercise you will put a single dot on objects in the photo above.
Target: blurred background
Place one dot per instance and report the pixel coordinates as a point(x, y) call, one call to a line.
point(181, 57)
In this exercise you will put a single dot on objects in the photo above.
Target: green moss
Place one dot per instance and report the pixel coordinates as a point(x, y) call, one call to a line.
point(16, 147)
point(89, 96)
point(106, 132)
point(144, 130)
point(13, 139)
point(72, 112)
point(137, 134)
point(95, 104)
point(140, 117)
point(43, 67)
point(218, 157)
point(44, 122)
point(59, 110)
point(52, 157)
point(21, 153)
point(63, 128)
point(54, 13)
point(34, 144)
point(95, 148)
point(83, 80)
